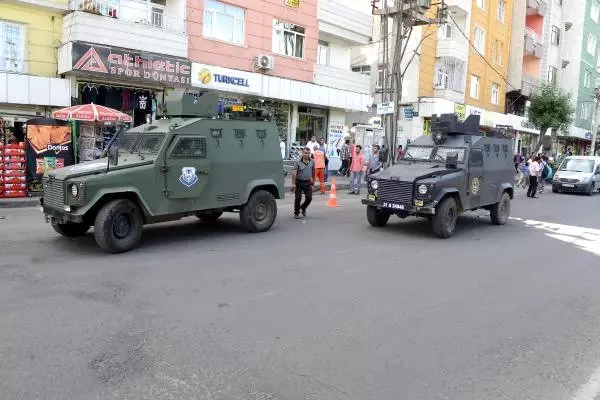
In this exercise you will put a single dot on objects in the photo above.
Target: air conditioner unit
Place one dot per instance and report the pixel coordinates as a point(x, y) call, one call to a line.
point(264, 62)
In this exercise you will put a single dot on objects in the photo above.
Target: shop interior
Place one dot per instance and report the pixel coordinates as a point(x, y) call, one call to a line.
point(312, 121)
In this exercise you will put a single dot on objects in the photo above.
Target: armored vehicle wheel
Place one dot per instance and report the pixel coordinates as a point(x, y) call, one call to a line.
point(259, 213)
point(118, 226)
point(500, 211)
point(209, 215)
point(71, 230)
point(377, 217)
point(444, 220)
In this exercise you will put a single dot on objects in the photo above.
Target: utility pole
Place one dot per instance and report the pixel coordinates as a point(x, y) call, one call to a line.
point(405, 15)
point(595, 119)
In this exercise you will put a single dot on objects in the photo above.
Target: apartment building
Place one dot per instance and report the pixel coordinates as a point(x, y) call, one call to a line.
point(581, 73)
point(29, 86)
point(293, 56)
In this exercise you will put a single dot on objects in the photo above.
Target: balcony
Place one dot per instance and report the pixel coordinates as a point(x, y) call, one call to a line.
point(128, 24)
point(337, 19)
point(342, 79)
point(533, 45)
point(536, 7)
point(453, 47)
point(459, 6)
point(449, 78)
point(529, 84)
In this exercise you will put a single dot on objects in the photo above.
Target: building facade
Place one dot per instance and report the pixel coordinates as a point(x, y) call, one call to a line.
point(29, 82)
point(291, 56)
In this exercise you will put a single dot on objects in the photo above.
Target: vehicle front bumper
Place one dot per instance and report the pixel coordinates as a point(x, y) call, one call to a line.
point(60, 216)
point(412, 210)
point(578, 187)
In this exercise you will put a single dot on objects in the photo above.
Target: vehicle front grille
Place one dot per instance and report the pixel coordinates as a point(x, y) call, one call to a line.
point(395, 191)
point(567, 180)
point(54, 195)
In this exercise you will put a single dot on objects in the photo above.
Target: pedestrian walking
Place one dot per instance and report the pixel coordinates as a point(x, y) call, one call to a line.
point(374, 164)
point(534, 175)
point(319, 159)
point(345, 158)
point(356, 170)
point(399, 153)
point(323, 147)
point(383, 155)
point(311, 145)
point(303, 179)
point(544, 171)
point(523, 174)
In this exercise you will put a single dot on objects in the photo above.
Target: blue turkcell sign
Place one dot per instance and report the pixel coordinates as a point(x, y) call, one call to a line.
point(231, 80)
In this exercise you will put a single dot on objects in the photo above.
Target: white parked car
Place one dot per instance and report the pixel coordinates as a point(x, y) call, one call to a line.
point(577, 174)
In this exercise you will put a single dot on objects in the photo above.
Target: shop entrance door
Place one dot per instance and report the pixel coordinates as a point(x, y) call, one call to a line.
point(187, 167)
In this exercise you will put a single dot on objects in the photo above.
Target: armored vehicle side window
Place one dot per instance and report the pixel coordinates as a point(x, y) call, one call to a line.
point(190, 147)
point(442, 153)
point(476, 158)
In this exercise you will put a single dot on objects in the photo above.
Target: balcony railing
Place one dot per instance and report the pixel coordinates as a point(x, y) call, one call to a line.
point(533, 45)
point(131, 12)
point(529, 84)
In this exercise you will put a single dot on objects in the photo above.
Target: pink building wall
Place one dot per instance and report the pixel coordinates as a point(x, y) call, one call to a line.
point(535, 22)
point(258, 37)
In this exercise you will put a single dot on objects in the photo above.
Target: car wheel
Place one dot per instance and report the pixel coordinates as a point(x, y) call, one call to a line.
point(118, 226)
point(554, 190)
point(377, 217)
point(209, 215)
point(71, 230)
point(259, 213)
point(444, 220)
point(592, 189)
point(500, 211)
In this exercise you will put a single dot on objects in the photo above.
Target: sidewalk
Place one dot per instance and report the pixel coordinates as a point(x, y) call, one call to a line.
point(341, 183)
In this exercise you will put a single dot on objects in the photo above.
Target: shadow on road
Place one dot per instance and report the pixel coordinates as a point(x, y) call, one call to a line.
point(420, 227)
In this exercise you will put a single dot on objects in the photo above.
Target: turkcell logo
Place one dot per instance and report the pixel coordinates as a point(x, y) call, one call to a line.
point(231, 80)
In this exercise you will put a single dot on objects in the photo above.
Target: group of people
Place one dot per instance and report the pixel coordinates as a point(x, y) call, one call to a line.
point(532, 173)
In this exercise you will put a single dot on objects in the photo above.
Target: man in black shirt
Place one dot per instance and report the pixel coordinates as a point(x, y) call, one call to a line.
point(303, 179)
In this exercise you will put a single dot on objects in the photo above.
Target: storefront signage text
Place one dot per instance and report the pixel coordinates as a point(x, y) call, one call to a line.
point(461, 111)
point(225, 79)
point(231, 80)
point(131, 65)
point(292, 3)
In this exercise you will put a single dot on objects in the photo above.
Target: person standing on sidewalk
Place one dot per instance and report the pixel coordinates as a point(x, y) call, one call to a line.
point(356, 170)
point(534, 174)
point(544, 171)
point(523, 174)
point(303, 179)
point(323, 147)
point(319, 159)
point(374, 162)
point(345, 158)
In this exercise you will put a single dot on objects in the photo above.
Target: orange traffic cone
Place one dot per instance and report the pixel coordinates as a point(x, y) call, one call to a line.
point(332, 201)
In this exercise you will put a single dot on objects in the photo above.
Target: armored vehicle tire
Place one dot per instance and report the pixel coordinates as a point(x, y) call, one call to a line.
point(444, 220)
point(377, 217)
point(259, 213)
point(118, 226)
point(209, 215)
point(500, 211)
point(71, 230)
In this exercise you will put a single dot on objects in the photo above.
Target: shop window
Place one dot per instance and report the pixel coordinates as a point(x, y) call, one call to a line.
point(288, 39)
point(12, 45)
point(224, 22)
point(189, 147)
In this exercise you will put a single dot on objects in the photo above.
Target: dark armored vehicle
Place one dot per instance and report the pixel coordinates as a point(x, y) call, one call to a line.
point(191, 162)
point(456, 169)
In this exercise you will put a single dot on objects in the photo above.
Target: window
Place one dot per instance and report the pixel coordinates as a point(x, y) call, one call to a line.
point(587, 78)
point(501, 10)
point(586, 110)
point(323, 53)
point(445, 31)
point(481, 4)
point(362, 69)
point(189, 147)
point(474, 87)
point(595, 11)
point(223, 22)
point(555, 35)
point(497, 49)
point(288, 39)
point(441, 78)
point(495, 94)
point(592, 44)
point(12, 47)
point(479, 41)
point(552, 75)
point(476, 158)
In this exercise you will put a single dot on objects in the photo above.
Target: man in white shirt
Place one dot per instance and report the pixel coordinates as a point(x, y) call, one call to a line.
point(534, 175)
point(311, 145)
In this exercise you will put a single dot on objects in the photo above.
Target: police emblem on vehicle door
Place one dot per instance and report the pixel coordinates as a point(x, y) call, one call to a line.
point(475, 185)
point(188, 176)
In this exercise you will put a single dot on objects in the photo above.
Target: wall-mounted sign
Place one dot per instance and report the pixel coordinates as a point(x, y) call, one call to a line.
point(225, 79)
point(385, 108)
point(292, 3)
point(461, 111)
point(408, 113)
point(125, 64)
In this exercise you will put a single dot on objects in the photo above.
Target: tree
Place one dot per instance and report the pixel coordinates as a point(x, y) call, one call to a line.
point(550, 108)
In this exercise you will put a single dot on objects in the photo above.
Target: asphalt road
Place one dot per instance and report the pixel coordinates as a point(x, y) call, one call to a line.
point(325, 308)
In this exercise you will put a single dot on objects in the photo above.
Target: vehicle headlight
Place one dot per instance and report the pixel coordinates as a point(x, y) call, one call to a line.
point(422, 189)
point(374, 184)
point(74, 189)
point(585, 179)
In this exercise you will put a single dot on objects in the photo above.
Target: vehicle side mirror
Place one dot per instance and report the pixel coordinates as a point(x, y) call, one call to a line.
point(452, 160)
point(113, 154)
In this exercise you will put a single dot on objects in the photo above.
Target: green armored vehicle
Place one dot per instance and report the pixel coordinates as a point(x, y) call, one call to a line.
point(192, 162)
point(456, 169)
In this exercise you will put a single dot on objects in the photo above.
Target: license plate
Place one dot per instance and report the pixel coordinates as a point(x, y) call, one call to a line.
point(568, 185)
point(419, 203)
point(393, 206)
point(371, 197)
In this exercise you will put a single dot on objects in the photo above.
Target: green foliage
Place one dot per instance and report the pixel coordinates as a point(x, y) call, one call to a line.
point(550, 108)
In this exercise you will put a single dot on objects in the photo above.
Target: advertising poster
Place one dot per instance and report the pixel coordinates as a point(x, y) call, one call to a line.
point(48, 147)
point(335, 133)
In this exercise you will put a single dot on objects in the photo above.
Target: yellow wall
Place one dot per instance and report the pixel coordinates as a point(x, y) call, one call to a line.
point(428, 52)
point(43, 31)
point(494, 29)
